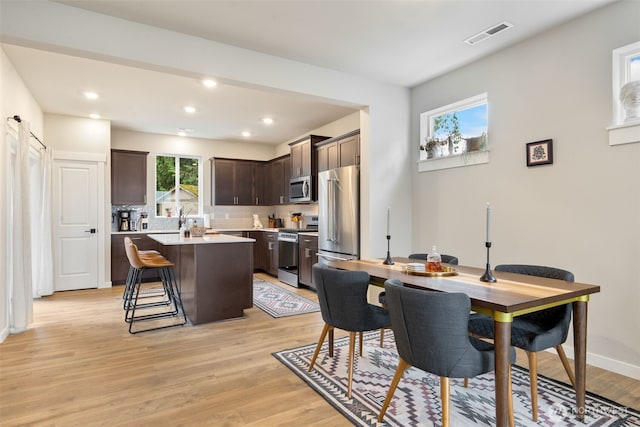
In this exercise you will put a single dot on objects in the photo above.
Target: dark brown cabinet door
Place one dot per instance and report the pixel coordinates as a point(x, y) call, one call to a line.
point(259, 249)
point(128, 177)
point(328, 157)
point(307, 256)
point(260, 184)
point(224, 181)
point(349, 151)
point(234, 182)
point(279, 180)
point(301, 159)
point(271, 252)
point(243, 183)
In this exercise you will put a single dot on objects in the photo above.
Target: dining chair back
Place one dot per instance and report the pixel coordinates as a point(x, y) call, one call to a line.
point(535, 331)
point(447, 259)
point(342, 296)
point(431, 334)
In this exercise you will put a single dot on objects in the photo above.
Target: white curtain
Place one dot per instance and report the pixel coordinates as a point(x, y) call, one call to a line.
point(19, 234)
point(41, 237)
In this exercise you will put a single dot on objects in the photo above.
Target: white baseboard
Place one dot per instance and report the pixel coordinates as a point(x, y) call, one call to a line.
point(622, 368)
point(4, 334)
point(105, 285)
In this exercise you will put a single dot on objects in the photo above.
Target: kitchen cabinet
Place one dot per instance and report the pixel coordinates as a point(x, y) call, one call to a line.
point(343, 150)
point(259, 250)
point(277, 178)
point(234, 181)
point(304, 159)
point(128, 177)
point(307, 256)
point(120, 262)
point(270, 248)
point(328, 156)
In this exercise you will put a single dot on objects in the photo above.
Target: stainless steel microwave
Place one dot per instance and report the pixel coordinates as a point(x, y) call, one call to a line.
point(300, 189)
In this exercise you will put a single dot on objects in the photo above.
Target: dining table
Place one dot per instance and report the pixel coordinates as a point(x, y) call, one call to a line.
point(510, 296)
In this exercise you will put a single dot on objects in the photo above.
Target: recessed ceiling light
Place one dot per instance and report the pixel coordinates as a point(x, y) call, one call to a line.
point(267, 120)
point(189, 109)
point(209, 83)
point(90, 95)
point(246, 133)
point(94, 116)
point(184, 131)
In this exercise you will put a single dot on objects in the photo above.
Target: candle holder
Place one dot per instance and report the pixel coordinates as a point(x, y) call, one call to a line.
point(388, 261)
point(488, 276)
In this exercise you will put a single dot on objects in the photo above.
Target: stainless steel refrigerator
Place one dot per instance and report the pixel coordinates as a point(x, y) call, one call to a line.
point(339, 214)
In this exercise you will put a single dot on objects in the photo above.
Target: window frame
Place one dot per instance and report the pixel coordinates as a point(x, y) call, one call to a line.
point(177, 158)
point(621, 64)
point(452, 160)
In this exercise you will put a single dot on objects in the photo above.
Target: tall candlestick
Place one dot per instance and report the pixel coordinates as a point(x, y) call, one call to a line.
point(488, 223)
point(388, 221)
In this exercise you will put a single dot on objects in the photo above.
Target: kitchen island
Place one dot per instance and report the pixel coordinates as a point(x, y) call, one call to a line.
point(214, 274)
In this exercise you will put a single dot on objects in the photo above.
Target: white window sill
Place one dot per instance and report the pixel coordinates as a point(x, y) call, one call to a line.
point(624, 134)
point(456, 161)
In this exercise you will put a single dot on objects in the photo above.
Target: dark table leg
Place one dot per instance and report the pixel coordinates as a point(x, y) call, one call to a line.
point(580, 352)
point(502, 327)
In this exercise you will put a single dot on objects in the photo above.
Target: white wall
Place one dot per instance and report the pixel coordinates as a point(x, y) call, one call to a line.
point(15, 99)
point(583, 212)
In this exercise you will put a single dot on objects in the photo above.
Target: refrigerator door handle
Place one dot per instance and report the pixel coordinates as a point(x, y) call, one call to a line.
point(332, 257)
point(331, 198)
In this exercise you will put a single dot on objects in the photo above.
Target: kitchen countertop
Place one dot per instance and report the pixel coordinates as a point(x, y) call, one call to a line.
point(219, 230)
point(175, 239)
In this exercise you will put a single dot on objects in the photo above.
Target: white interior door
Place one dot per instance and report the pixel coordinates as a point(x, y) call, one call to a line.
point(75, 219)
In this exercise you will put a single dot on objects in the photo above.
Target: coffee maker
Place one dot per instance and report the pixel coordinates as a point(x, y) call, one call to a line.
point(124, 221)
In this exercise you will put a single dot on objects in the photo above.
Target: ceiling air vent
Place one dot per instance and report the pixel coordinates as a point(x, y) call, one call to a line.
point(489, 32)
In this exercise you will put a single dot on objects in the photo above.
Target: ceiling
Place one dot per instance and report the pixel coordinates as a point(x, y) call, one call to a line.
point(402, 43)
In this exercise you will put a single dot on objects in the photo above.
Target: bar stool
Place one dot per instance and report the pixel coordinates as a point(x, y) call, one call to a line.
point(139, 264)
point(132, 277)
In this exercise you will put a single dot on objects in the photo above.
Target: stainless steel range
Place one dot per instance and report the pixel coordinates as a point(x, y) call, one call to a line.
point(288, 252)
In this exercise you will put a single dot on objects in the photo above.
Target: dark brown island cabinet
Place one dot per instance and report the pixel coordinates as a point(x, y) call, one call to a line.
point(120, 262)
point(128, 177)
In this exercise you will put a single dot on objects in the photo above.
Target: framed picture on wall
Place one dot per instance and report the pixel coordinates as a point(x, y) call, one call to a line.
point(540, 153)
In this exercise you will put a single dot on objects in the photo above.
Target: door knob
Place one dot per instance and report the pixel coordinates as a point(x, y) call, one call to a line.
point(92, 231)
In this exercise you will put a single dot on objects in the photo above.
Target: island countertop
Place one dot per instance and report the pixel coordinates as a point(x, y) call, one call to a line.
point(175, 239)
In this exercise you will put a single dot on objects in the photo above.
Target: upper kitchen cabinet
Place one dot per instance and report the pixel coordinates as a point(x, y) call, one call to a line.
point(234, 181)
point(343, 150)
point(303, 156)
point(128, 177)
point(277, 180)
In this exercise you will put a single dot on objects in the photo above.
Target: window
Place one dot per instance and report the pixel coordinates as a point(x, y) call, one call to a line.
point(178, 185)
point(455, 130)
point(626, 113)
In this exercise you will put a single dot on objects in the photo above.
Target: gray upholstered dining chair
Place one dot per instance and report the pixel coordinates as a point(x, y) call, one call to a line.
point(343, 304)
point(382, 298)
point(431, 334)
point(535, 331)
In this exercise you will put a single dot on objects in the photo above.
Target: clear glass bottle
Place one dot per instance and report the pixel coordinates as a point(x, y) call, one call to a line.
point(434, 261)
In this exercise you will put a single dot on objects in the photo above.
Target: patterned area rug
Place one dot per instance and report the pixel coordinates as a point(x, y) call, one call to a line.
point(416, 401)
point(279, 302)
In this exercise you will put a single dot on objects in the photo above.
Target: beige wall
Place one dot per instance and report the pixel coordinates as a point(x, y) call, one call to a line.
point(15, 99)
point(583, 212)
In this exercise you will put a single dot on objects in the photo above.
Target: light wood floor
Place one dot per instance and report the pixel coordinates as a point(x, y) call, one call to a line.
point(78, 366)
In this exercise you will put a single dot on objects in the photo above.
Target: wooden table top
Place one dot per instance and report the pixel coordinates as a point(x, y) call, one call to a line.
point(510, 294)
